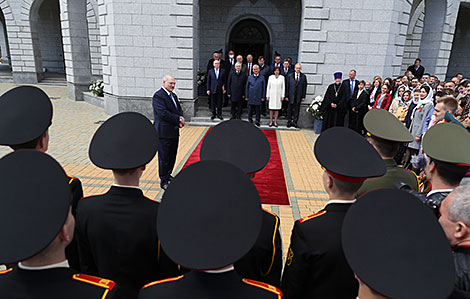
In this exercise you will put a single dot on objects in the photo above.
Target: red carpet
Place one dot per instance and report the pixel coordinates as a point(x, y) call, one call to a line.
point(270, 180)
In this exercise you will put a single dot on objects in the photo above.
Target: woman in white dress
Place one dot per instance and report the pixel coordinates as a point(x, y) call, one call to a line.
point(275, 94)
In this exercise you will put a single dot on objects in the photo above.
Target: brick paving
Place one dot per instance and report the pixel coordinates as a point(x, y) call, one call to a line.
point(75, 122)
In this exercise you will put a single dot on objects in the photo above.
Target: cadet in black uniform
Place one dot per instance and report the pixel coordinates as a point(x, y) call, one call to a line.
point(245, 146)
point(386, 133)
point(205, 228)
point(116, 231)
point(315, 265)
point(36, 226)
point(25, 118)
point(396, 248)
point(447, 147)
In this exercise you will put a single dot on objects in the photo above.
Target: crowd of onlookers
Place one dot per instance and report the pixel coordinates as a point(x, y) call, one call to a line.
point(418, 99)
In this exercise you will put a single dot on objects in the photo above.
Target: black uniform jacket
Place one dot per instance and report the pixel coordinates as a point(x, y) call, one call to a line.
point(57, 283)
point(228, 285)
point(316, 266)
point(71, 252)
point(264, 261)
point(236, 85)
point(462, 269)
point(117, 238)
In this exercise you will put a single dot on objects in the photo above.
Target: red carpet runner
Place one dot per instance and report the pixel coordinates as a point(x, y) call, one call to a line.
point(270, 180)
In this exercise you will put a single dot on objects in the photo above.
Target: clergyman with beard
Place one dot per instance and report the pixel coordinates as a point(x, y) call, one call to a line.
point(334, 104)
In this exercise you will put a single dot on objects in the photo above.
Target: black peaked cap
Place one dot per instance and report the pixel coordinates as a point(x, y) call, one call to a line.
point(125, 141)
point(25, 114)
point(383, 124)
point(237, 142)
point(396, 246)
point(346, 154)
point(210, 216)
point(35, 203)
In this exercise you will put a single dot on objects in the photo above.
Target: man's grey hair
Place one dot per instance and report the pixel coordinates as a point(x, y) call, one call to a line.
point(256, 66)
point(249, 55)
point(459, 208)
point(298, 64)
point(167, 77)
point(238, 63)
point(216, 61)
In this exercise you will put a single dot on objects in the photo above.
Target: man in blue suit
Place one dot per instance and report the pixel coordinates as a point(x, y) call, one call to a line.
point(215, 89)
point(296, 91)
point(255, 94)
point(168, 117)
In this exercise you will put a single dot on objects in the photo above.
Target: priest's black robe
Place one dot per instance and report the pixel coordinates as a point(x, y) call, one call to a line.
point(334, 116)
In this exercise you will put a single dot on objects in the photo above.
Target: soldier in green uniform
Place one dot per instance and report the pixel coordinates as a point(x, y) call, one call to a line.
point(386, 133)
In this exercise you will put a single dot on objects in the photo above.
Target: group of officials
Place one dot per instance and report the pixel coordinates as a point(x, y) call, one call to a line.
point(370, 241)
point(282, 85)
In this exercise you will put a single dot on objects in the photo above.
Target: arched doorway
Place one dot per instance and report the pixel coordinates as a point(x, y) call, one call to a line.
point(5, 63)
point(250, 36)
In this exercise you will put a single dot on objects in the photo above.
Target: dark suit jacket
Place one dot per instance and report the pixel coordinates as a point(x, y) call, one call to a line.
point(265, 72)
point(301, 88)
point(244, 69)
point(210, 64)
point(255, 90)
point(347, 85)
point(360, 103)
point(289, 71)
point(166, 115)
point(236, 85)
point(117, 238)
point(417, 73)
point(214, 85)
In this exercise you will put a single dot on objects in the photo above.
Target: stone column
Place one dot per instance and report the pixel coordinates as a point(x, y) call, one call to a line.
point(73, 16)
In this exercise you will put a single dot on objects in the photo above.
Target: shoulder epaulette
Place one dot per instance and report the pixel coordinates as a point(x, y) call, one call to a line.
point(97, 281)
point(162, 281)
point(6, 271)
point(71, 179)
point(271, 213)
point(312, 216)
point(263, 286)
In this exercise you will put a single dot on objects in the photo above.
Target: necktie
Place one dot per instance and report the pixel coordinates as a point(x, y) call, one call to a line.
point(217, 74)
point(352, 87)
point(285, 71)
point(296, 79)
point(174, 102)
point(238, 73)
point(249, 68)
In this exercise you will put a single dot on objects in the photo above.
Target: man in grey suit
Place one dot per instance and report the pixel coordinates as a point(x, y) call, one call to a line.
point(296, 91)
point(255, 94)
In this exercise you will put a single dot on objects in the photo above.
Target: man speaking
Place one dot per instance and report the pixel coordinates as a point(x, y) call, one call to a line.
point(168, 117)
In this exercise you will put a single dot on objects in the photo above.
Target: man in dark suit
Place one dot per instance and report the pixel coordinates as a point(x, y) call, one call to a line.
point(315, 265)
point(264, 72)
point(277, 62)
point(168, 117)
point(358, 108)
point(351, 86)
point(249, 64)
point(296, 91)
point(286, 70)
point(236, 90)
point(255, 94)
point(216, 89)
point(244, 67)
point(116, 231)
point(230, 61)
point(417, 69)
point(217, 55)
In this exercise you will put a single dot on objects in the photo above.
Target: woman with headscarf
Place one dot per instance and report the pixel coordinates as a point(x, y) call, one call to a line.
point(418, 119)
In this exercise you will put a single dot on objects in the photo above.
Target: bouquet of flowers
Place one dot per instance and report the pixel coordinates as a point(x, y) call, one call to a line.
point(201, 78)
point(97, 88)
point(314, 108)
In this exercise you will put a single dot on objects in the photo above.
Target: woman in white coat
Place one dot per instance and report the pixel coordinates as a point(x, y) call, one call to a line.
point(275, 94)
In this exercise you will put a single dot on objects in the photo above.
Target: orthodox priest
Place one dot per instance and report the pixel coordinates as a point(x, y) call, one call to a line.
point(333, 103)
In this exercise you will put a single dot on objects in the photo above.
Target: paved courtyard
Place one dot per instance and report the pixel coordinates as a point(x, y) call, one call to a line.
point(75, 122)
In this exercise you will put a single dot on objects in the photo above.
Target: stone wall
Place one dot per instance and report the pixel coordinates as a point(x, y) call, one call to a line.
point(459, 58)
point(413, 37)
point(216, 19)
point(94, 40)
point(50, 37)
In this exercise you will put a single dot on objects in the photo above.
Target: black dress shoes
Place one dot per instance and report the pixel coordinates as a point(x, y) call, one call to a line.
point(164, 186)
point(212, 117)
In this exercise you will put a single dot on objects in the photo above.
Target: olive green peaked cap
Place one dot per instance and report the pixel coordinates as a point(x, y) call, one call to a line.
point(382, 124)
point(448, 142)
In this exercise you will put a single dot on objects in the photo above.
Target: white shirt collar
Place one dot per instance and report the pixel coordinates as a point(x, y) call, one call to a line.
point(220, 271)
point(64, 264)
point(343, 201)
point(439, 190)
point(168, 92)
point(125, 186)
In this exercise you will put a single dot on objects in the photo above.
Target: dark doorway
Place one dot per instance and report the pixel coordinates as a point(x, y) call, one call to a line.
point(250, 36)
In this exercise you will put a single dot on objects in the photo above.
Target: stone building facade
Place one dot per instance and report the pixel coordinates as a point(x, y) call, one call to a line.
point(132, 44)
